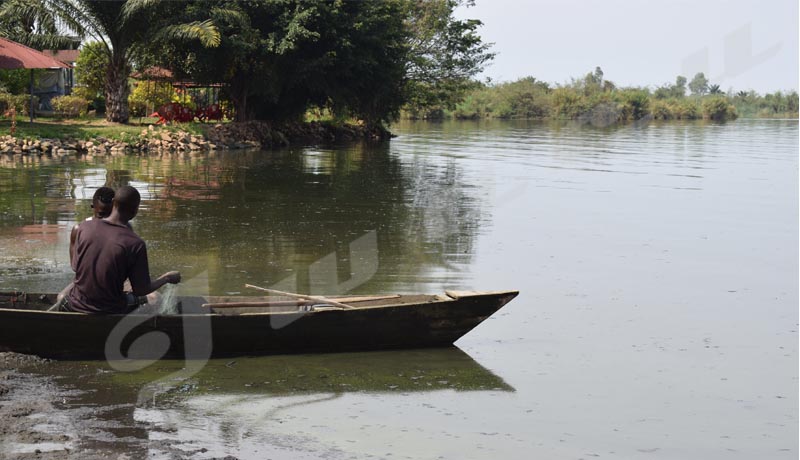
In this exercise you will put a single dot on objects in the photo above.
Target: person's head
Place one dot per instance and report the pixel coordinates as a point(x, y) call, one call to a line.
point(102, 202)
point(126, 202)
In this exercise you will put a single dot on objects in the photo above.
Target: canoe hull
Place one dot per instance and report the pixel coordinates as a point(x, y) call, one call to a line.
point(199, 336)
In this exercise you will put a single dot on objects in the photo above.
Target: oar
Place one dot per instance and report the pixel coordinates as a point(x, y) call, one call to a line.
point(291, 303)
point(301, 296)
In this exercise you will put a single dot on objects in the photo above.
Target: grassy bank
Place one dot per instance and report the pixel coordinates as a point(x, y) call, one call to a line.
point(86, 129)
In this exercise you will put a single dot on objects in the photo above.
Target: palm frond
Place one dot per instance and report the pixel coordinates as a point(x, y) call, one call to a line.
point(229, 15)
point(44, 41)
point(205, 31)
point(71, 17)
point(132, 7)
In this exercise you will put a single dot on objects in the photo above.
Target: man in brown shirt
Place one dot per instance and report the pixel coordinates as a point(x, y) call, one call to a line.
point(107, 252)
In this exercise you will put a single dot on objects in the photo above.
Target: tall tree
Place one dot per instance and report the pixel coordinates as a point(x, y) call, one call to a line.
point(679, 88)
point(445, 52)
point(361, 59)
point(126, 28)
point(699, 84)
point(281, 58)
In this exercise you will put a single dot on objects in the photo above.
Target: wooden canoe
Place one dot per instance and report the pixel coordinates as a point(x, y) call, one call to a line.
point(203, 327)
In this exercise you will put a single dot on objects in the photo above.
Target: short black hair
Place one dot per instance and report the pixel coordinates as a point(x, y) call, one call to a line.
point(104, 195)
point(127, 198)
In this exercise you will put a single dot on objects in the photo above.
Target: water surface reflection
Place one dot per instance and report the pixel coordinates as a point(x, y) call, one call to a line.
point(229, 405)
point(263, 218)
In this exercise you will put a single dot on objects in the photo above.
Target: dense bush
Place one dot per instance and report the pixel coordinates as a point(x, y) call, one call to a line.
point(635, 104)
point(22, 102)
point(148, 96)
point(97, 102)
point(524, 99)
point(661, 110)
point(718, 108)
point(778, 104)
point(599, 102)
point(568, 103)
point(70, 106)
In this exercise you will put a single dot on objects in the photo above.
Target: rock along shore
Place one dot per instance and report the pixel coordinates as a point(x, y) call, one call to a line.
point(229, 136)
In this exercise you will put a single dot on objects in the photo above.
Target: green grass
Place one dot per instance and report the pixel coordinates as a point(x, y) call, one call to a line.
point(89, 128)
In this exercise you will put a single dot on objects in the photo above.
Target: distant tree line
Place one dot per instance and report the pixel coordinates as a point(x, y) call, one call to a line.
point(594, 98)
point(277, 59)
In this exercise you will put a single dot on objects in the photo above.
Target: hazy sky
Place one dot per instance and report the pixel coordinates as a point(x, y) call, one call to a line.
point(740, 44)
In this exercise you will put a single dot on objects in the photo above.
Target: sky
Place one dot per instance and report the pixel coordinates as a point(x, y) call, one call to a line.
point(737, 44)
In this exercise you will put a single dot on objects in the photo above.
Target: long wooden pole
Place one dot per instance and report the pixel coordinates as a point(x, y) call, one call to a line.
point(31, 104)
point(290, 303)
point(301, 296)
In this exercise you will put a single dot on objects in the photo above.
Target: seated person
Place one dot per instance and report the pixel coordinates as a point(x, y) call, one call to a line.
point(101, 208)
point(107, 252)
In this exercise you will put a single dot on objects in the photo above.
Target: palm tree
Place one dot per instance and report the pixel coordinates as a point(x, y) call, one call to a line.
point(126, 29)
point(40, 24)
point(714, 89)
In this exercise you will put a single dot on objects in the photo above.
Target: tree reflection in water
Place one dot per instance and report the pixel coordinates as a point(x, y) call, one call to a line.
point(266, 217)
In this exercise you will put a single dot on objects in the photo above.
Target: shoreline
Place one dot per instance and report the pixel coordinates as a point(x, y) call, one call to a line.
point(227, 136)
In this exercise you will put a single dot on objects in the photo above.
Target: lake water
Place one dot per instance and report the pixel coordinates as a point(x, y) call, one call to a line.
point(657, 264)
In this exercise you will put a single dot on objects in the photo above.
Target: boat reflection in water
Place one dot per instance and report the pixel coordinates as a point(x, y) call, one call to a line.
point(249, 407)
point(373, 372)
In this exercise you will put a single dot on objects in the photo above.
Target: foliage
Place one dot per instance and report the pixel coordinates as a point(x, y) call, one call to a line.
point(677, 90)
point(21, 102)
point(634, 104)
point(70, 106)
point(351, 58)
point(91, 68)
point(16, 81)
point(125, 29)
point(685, 109)
point(568, 102)
point(596, 100)
point(444, 55)
point(526, 98)
point(778, 104)
point(661, 110)
point(718, 108)
point(40, 24)
point(281, 59)
point(148, 96)
point(699, 84)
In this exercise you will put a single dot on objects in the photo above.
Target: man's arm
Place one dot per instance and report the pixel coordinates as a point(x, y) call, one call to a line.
point(73, 235)
point(139, 276)
point(172, 277)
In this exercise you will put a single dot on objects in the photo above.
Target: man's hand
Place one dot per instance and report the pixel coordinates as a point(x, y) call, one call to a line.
point(172, 277)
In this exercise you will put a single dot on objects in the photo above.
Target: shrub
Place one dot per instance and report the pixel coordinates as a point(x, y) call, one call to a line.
point(567, 103)
point(685, 109)
point(96, 101)
point(634, 104)
point(147, 96)
point(718, 108)
point(661, 110)
point(477, 105)
point(22, 102)
point(70, 106)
